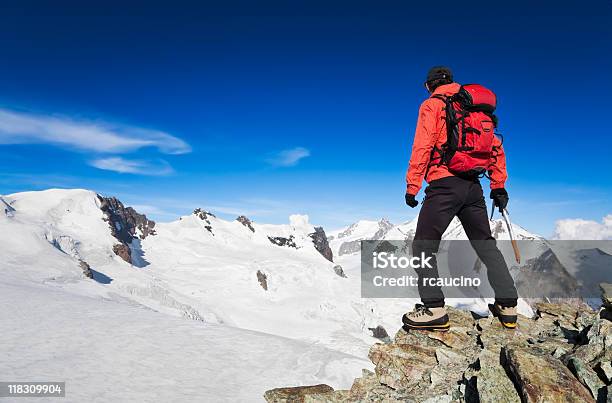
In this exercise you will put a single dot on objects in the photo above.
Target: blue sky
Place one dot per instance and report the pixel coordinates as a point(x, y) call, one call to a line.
point(273, 108)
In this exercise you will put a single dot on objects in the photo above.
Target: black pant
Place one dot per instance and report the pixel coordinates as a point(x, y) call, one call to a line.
point(444, 199)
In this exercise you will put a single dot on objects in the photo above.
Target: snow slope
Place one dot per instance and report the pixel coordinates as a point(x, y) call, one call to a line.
point(197, 293)
point(108, 351)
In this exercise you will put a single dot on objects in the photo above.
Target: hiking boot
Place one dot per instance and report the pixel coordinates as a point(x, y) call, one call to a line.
point(505, 314)
point(424, 318)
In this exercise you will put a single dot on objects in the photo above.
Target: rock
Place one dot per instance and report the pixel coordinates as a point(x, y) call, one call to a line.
point(402, 366)
point(205, 216)
point(246, 222)
point(586, 376)
point(599, 346)
point(126, 225)
point(606, 294)
point(86, 269)
point(546, 275)
point(369, 389)
point(123, 251)
point(450, 367)
point(492, 382)
point(542, 378)
point(337, 396)
point(480, 361)
point(282, 241)
point(295, 394)
point(461, 318)
point(263, 280)
point(418, 337)
point(338, 270)
point(379, 332)
point(125, 222)
point(605, 369)
point(456, 338)
point(319, 239)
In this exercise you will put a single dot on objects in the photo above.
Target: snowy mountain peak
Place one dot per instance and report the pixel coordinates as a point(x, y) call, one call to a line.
point(348, 240)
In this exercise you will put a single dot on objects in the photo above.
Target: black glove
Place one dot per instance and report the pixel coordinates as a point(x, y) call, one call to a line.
point(411, 201)
point(500, 198)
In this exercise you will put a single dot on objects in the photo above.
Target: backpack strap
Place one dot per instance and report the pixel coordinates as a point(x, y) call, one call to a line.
point(435, 150)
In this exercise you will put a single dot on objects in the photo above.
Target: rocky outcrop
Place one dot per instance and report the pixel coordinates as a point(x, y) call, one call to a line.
point(263, 280)
point(205, 216)
point(7, 208)
point(319, 239)
point(606, 295)
point(126, 225)
point(380, 333)
point(125, 222)
point(87, 272)
point(123, 251)
point(283, 241)
point(563, 354)
point(298, 394)
point(246, 222)
point(339, 271)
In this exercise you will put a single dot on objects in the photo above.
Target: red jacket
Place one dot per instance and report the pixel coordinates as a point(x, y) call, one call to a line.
point(430, 131)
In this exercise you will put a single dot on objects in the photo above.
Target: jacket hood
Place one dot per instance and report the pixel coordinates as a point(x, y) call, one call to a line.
point(447, 89)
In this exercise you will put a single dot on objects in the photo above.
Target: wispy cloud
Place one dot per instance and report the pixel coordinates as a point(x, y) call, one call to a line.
point(289, 158)
point(122, 165)
point(96, 136)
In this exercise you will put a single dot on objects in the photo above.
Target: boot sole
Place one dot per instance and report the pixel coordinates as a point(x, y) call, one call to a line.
point(435, 328)
point(507, 324)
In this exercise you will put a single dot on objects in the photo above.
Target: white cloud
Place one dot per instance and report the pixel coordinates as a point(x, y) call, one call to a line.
point(576, 228)
point(289, 158)
point(97, 136)
point(122, 165)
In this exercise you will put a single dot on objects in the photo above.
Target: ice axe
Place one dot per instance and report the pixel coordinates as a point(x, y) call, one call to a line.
point(506, 216)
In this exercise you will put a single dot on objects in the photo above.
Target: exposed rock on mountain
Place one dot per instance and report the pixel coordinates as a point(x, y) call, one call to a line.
point(126, 226)
point(339, 271)
point(125, 222)
point(86, 269)
point(283, 241)
point(123, 251)
point(263, 280)
point(6, 208)
point(606, 295)
point(380, 333)
point(246, 222)
point(205, 216)
point(546, 270)
point(560, 355)
point(320, 242)
point(297, 395)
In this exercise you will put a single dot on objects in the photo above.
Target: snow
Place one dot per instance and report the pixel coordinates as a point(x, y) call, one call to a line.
point(190, 316)
point(108, 351)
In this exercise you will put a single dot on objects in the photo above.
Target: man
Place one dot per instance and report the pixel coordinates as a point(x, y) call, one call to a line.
point(449, 195)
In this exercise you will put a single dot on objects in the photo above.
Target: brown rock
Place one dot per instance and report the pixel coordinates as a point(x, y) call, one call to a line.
point(123, 251)
point(319, 239)
point(402, 366)
point(493, 383)
point(542, 378)
point(263, 280)
point(86, 269)
point(295, 394)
